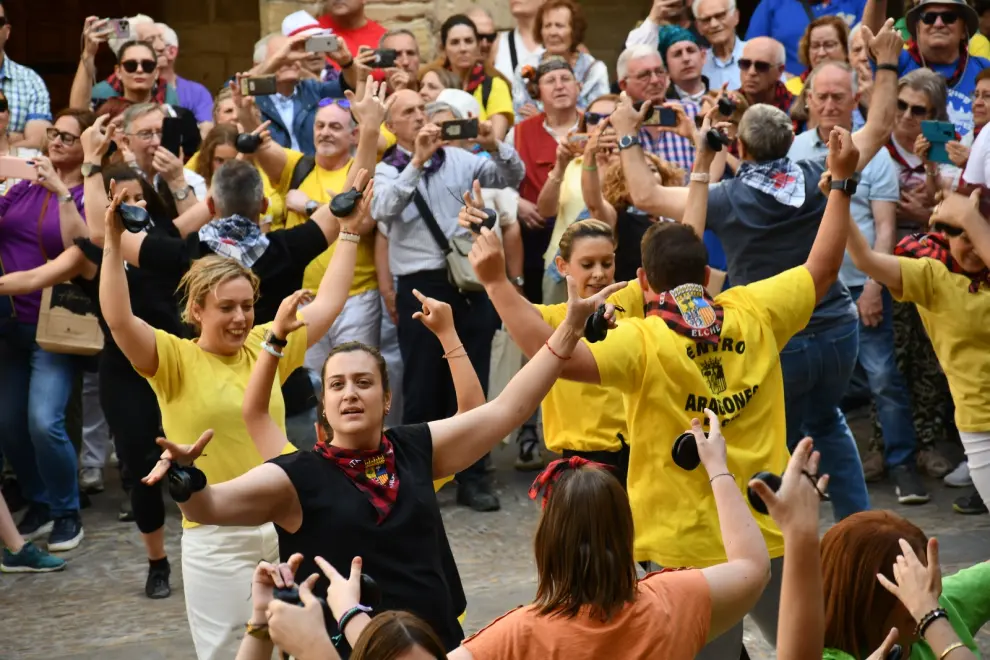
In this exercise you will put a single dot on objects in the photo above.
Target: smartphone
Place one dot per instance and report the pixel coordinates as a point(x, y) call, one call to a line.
point(459, 129)
point(938, 133)
point(172, 134)
point(258, 86)
point(660, 116)
point(121, 28)
point(578, 140)
point(322, 44)
point(385, 58)
point(17, 168)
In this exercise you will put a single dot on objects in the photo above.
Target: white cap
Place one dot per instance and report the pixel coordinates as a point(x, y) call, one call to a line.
point(301, 22)
point(461, 101)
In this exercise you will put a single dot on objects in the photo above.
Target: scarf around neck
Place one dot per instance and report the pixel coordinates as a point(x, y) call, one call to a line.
point(400, 158)
point(782, 179)
point(158, 94)
point(935, 246)
point(475, 77)
point(372, 471)
point(688, 310)
point(915, 52)
point(236, 238)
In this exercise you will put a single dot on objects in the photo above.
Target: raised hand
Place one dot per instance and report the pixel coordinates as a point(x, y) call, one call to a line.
point(917, 586)
point(360, 221)
point(427, 143)
point(299, 629)
point(287, 319)
point(97, 138)
point(627, 119)
point(486, 136)
point(795, 505)
point(436, 314)
point(112, 225)
point(370, 109)
point(886, 45)
point(843, 156)
point(184, 455)
point(711, 447)
point(96, 31)
point(921, 147)
point(487, 258)
point(48, 176)
point(579, 309)
point(472, 214)
point(268, 577)
point(343, 593)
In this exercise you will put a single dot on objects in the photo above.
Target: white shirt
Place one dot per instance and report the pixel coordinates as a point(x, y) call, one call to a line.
point(287, 112)
point(978, 165)
point(503, 60)
point(719, 72)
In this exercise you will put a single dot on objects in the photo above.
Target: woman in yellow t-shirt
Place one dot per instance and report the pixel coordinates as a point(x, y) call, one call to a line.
point(200, 385)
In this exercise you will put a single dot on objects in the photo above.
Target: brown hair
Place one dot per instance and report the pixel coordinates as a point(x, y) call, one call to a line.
point(222, 95)
point(854, 551)
point(579, 24)
point(583, 229)
point(348, 347)
point(85, 118)
point(614, 188)
point(981, 76)
point(673, 255)
point(204, 276)
point(804, 46)
point(391, 634)
point(447, 77)
point(582, 124)
point(221, 134)
point(584, 547)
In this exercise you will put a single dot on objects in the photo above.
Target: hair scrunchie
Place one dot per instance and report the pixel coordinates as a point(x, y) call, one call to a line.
point(545, 481)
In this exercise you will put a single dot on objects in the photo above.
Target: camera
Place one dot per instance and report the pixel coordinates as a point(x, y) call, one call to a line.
point(459, 129)
point(385, 58)
point(247, 143)
point(726, 106)
point(135, 220)
point(343, 205)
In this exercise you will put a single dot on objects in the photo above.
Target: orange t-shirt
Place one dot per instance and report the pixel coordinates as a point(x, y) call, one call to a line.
point(669, 619)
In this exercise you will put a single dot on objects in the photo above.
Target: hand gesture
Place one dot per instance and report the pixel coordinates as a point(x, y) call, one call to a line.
point(917, 586)
point(595, 140)
point(342, 55)
point(267, 577)
point(882, 652)
point(364, 60)
point(427, 143)
point(48, 177)
point(169, 166)
point(293, 51)
point(843, 156)
point(398, 79)
point(343, 593)
point(472, 214)
point(795, 506)
point(886, 46)
point(183, 455)
point(579, 309)
point(870, 304)
point(627, 119)
point(287, 318)
point(564, 155)
point(436, 315)
point(958, 154)
point(921, 147)
point(529, 110)
point(711, 447)
point(957, 210)
point(112, 225)
point(96, 31)
point(704, 151)
point(685, 126)
point(370, 109)
point(486, 136)
point(297, 630)
point(97, 138)
point(360, 221)
point(487, 258)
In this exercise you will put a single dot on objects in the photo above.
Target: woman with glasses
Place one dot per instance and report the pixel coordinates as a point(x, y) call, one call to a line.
point(38, 220)
point(974, 158)
point(560, 28)
point(5, 147)
point(827, 38)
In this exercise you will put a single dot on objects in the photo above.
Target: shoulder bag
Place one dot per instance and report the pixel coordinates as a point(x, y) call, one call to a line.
point(455, 250)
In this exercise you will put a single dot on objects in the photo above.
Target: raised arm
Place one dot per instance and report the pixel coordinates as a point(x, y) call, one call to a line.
point(886, 48)
point(95, 32)
point(71, 263)
point(964, 213)
point(270, 156)
point(549, 199)
point(369, 110)
point(134, 337)
point(696, 211)
point(591, 178)
point(96, 141)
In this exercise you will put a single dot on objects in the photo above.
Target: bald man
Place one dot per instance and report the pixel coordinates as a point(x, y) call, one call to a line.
point(760, 70)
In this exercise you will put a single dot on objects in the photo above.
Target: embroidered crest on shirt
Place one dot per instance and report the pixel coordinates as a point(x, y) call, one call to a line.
point(714, 374)
point(694, 309)
point(374, 470)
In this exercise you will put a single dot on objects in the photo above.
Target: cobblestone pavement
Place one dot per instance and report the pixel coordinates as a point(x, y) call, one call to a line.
point(97, 607)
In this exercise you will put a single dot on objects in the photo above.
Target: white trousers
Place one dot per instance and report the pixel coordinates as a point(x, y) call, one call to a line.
point(217, 566)
point(360, 320)
point(977, 446)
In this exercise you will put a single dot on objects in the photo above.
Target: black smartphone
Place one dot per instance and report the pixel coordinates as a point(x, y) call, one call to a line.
point(459, 129)
point(172, 134)
point(385, 58)
point(258, 86)
point(659, 116)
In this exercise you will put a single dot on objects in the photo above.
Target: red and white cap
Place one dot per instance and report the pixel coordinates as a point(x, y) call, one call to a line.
point(301, 22)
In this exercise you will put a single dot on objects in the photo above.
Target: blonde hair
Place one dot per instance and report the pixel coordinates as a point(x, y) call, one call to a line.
point(583, 229)
point(205, 276)
point(614, 188)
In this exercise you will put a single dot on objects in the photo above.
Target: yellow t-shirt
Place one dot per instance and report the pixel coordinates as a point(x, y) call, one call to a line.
point(581, 416)
point(958, 323)
point(794, 85)
point(316, 186)
point(668, 379)
point(979, 46)
point(499, 101)
point(197, 391)
point(568, 208)
point(389, 136)
point(276, 201)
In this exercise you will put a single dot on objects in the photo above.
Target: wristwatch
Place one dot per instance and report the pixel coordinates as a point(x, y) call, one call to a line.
point(311, 207)
point(182, 194)
point(89, 169)
point(519, 281)
point(270, 338)
point(66, 198)
point(847, 186)
point(629, 141)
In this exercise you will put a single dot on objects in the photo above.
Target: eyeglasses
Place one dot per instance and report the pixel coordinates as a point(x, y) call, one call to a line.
point(714, 18)
point(68, 139)
point(823, 45)
point(594, 118)
point(340, 103)
point(147, 135)
point(948, 230)
point(761, 67)
point(916, 110)
point(948, 17)
point(489, 37)
point(131, 66)
point(645, 76)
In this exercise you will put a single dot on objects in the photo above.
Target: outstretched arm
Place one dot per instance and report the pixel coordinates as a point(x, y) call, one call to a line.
point(71, 263)
point(886, 47)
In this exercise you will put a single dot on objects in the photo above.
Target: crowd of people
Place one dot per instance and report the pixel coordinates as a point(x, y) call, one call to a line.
point(304, 284)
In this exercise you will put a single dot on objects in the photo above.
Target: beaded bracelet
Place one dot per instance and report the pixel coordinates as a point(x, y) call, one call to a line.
point(722, 474)
point(928, 620)
point(344, 620)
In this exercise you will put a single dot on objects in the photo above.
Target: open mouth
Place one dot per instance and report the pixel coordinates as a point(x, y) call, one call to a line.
point(351, 413)
point(236, 335)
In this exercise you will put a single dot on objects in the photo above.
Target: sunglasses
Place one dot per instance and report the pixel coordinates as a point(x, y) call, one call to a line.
point(131, 66)
point(489, 37)
point(594, 118)
point(68, 139)
point(948, 17)
point(761, 67)
point(340, 103)
point(916, 110)
point(948, 230)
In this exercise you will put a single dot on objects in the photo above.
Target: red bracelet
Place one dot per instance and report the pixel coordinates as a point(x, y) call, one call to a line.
point(555, 353)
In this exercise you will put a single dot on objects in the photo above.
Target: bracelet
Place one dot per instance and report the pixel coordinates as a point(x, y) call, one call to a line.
point(888, 67)
point(722, 474)
point(950, 648)
point(344, 620)
point(555, 353)
point(448, 354)
point(928, 620)
point(593, 168)
point(701, 177)
point(258, 631)
point(349, 237)
point(271, 350)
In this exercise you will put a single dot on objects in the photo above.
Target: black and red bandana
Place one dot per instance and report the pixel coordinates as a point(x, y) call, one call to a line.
point(935, 246)
point(915, 52)
point(545, 480)
point(157, 94)
point(687, 310)
point(475, 78)
point(372, 471)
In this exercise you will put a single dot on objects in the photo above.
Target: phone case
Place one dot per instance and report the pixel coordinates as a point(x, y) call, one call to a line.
point(938, 133)
point(17, 168)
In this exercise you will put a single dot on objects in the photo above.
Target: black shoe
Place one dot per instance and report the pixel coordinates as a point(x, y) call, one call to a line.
point(971, 504)
point(157, 586)
point(478, 496)
point(908, 485)
point(67, 533)
point(530, 458)
point(36, 522)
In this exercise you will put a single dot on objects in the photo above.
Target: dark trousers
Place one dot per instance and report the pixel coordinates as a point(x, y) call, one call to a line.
point(427, 388)
point(617, 460)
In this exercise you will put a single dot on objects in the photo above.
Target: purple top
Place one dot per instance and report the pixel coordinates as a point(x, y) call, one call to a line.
point(28, 240)
point(195, 98)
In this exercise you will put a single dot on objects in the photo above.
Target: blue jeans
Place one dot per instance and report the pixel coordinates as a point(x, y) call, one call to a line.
point(816, 368)
point(35, 387)
point(886, 384)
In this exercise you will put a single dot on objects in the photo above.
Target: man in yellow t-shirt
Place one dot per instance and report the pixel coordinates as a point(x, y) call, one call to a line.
point(307, 184)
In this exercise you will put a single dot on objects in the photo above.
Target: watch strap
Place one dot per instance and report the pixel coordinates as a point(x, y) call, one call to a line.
point(274, 340)
point(888, 67)
point(629, 141)
point(90, 169)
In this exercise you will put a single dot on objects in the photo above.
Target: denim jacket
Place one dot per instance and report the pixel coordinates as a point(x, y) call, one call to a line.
point(304, 101)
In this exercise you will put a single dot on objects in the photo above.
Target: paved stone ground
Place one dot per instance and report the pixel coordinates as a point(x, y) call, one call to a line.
point(97, 607)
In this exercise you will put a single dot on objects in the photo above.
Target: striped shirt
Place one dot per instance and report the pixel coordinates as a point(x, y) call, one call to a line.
point(26, 95)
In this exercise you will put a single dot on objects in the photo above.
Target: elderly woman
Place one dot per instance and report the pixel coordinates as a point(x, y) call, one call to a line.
point(827, 38)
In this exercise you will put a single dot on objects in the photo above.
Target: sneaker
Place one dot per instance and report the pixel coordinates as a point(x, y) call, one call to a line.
point(959, 478)
point(478, 496)
point(66, 534)
point(157, 587)
point(125, 513)
point(908, 486)
point(933, 463)
point(31, 559)
point(971, 504)
point(36, 522)
point(873, 467)
point(91, 480)
point(530, 458)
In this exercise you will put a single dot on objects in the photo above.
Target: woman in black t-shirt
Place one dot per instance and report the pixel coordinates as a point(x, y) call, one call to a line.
point(368, 493)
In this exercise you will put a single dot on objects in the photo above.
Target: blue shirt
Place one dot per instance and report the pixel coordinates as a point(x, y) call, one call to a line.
point(27, 95)
point(960, 104)
point(878, 183)
point(719, 72)
point(786, 21)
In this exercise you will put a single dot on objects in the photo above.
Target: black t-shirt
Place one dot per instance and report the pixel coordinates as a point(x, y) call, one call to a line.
point(630, 227)
point(403, 554)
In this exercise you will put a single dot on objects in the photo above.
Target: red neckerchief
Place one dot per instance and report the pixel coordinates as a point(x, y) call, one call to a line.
point(899, 159)
point(475, 78)
point(782, 98)
point(915, 52)
point(935, 246)
point(157, 94)
point(371, 470)
point(687, 310)
point(804, 76)
point(545, 480)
